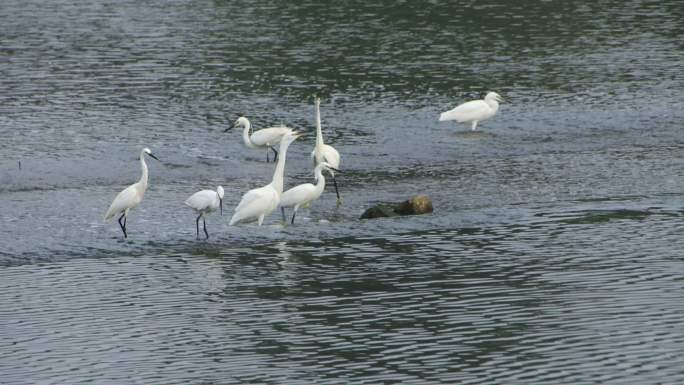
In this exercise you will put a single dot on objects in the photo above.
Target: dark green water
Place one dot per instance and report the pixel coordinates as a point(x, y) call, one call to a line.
point(553, 255)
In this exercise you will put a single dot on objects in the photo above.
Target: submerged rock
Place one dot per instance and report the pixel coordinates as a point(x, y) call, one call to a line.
point(419, 204)
point(381, 210)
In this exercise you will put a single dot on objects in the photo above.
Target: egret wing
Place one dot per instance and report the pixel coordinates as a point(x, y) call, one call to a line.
point(466, 112)
point(126, 199)
point(269, 136)
point(331, 156)
point(255, 202)
point(297, 195)
point(201, 200)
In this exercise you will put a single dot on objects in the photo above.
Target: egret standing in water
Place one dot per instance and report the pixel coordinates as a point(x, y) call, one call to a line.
point(306, 193)
point(264, 138)
point(205, 202)
point(259, 202)
point(474, 110)
point(323, 152)
point(131, 196)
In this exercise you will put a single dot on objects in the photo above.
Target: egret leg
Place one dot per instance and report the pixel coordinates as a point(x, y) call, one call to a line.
point(336, 190)
point(267, 158)
point(276, 154)
point(474, 125)
point(282, 211)
point(197, 225)
point(204, 222)
point(293, 215)
point(261, 219)
point(123, 225)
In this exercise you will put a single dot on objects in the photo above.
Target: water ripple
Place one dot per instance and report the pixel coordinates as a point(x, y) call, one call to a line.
point(438, 306)
point(553, 255)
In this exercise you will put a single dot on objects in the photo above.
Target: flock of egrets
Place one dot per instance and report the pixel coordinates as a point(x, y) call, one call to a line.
point(257, 203)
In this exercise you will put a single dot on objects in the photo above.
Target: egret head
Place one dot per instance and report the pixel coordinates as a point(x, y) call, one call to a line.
point(291, 137)
point(325, 166)
point(328, 166)
point(149, 152)
point(219, 192)
point(494, 96)
point(239, 123)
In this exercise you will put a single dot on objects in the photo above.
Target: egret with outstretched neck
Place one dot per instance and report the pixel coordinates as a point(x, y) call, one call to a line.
point(264, 138)
point(205, 202)
point(474, 111)
point(306, 193)
point(131, 196)
point(259, 202)
point(323, 152)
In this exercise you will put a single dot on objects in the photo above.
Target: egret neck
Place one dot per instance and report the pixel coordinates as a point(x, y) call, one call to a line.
point(143, 178)
point(493, 104)
point(319, 134)
point(277, 182)
point(320, 179)
point(245, 134)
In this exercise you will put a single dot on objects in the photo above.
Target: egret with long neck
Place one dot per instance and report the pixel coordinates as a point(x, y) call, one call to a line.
point(264, 138)
point(131, 196)
point(259, 202)
point(323, 152)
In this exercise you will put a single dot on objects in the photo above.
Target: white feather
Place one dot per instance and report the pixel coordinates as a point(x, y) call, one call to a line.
point(473, 111)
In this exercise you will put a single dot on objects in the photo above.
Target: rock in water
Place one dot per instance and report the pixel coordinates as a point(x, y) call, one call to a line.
point(419, 204)
point(379, 211)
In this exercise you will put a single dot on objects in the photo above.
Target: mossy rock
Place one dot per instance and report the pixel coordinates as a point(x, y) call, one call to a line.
point(381, 210)
point(416, 205)
point(419, 204)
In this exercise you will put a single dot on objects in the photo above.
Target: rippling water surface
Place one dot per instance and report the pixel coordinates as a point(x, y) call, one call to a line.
point(553, 255)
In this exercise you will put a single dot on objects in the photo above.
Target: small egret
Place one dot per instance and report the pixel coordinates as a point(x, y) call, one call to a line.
point(131, 196)
point(306, 193)
point(259, 202)
point(474, 110)
point(205, 202)
point(264, 138)
point(323, 152)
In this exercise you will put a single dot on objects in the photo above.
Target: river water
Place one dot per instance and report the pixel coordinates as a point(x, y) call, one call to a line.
point(554, 254)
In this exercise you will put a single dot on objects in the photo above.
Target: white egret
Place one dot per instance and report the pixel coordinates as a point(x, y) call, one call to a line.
point(259, 202)
point(131, 196)
point(323, 152)
point(264, 138)
point(306, 193)
point(205, 202)
point(474, 110)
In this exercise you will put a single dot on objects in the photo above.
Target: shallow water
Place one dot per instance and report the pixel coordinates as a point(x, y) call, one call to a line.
point(553, 255)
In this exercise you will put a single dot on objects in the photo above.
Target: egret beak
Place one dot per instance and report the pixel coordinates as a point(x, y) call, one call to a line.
point(299, 135)
point(334, 169)
point(221, 205)
point(230, 127)
point(152, 155)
